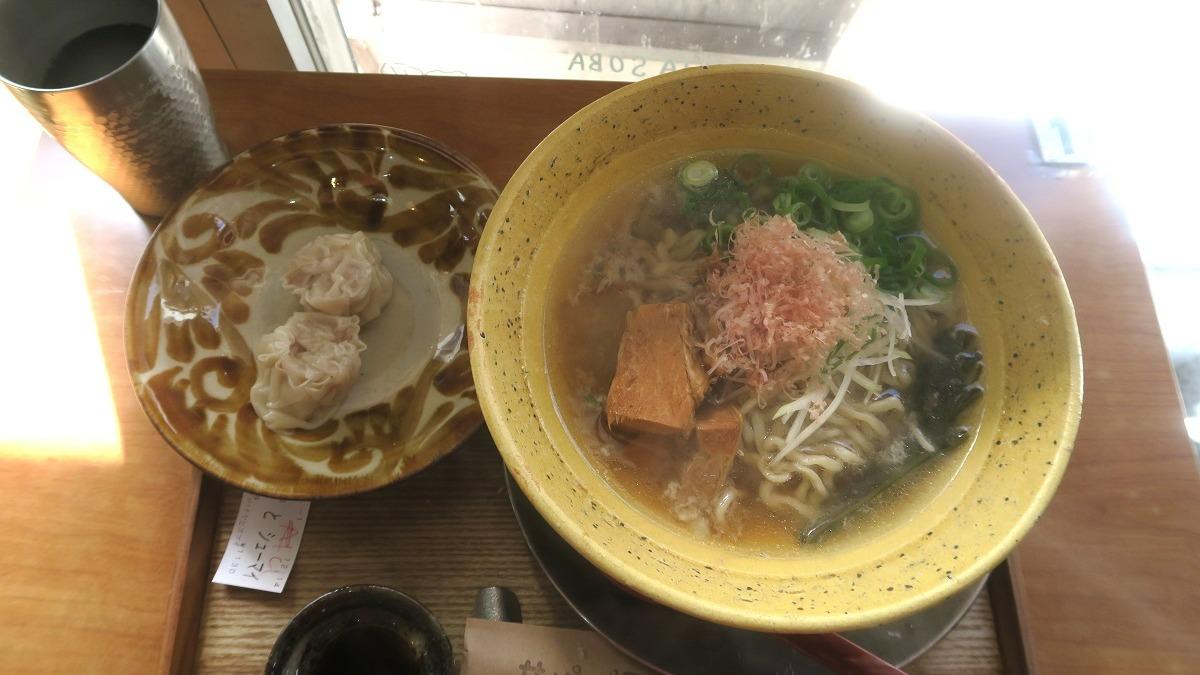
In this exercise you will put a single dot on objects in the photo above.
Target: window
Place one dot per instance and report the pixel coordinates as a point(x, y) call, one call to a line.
point(620, 40)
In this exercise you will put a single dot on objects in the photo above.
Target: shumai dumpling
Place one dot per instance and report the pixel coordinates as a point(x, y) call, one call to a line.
point(305, 369)
point(340, 274)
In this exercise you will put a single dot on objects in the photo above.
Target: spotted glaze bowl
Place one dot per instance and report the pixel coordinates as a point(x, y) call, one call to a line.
point(208, 287)
point(959, 522)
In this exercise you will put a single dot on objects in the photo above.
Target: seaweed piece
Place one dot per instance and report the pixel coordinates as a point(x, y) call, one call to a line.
point(945, 386)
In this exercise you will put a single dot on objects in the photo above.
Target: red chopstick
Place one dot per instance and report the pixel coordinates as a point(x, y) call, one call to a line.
point(842, 655)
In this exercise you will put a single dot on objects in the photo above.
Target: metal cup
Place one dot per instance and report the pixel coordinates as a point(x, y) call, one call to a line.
point(114, 82)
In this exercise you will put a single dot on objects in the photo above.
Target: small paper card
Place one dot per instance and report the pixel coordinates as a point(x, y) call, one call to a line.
point(499, 648)
point(263, 544)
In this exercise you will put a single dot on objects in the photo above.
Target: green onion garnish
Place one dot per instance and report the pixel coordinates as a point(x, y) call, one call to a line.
point(815, 173)
point(893, 205)
point(698, 174)
point(850, 207)
point(859, 221)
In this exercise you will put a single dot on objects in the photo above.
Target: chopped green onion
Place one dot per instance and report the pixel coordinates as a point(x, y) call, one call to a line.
point(698, 174)
point(871, 262)
point(859, 221)
point(893, 205)
point(815, 173)
point(914, 248)
point(878, 218)
point(850, 207)
point(818, 194)
point(782, 204)
point(801, 214)
point(834, 360)
point(855, 190)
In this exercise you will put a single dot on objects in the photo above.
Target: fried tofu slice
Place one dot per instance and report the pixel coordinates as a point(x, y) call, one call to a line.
point(718, 437)
point(659, 380)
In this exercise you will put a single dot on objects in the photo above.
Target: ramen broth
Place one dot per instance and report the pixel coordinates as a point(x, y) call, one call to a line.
point(650, 243)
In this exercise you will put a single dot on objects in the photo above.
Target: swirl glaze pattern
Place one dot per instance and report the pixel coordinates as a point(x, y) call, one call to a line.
point(205, 289)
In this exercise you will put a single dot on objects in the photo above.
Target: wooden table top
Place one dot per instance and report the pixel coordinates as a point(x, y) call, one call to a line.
point(97, 513)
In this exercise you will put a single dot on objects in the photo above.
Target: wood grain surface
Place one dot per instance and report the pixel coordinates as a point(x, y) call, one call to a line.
point(95, 508)
point(95, 527)
point(1108, 581)
point(440, 536)
point(203, 40)
point(250, 34)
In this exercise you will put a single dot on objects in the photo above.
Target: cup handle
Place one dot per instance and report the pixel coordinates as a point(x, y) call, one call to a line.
point(497, 603)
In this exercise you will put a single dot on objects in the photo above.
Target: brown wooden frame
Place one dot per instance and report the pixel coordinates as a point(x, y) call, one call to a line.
point(232, 34)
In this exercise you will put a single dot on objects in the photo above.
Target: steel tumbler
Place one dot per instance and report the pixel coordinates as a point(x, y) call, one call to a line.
point(113, 81)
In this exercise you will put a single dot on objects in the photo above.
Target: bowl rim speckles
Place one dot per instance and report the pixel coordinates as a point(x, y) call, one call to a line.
point(338, 177)
point(638, 626)
point(986, 501)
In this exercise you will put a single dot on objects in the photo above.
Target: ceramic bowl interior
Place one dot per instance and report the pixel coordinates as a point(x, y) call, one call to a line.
point(951, 529)
point(208, 287)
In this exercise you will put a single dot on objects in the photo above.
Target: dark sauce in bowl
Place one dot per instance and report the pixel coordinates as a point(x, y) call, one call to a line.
point(362, 630)
point(367, 650)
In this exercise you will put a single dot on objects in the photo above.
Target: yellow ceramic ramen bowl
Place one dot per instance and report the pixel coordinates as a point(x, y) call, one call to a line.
point(965, 516)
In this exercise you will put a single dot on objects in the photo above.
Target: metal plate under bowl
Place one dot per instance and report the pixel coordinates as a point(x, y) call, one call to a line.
point(652, 633)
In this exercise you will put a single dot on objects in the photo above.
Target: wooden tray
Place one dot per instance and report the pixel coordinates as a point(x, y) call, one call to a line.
point(445, 533)
point(1102, 584)
point(439, 536)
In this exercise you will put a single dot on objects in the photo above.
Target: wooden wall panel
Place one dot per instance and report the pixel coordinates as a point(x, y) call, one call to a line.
point(250, 34)
point(232, 34)
point(202, 37)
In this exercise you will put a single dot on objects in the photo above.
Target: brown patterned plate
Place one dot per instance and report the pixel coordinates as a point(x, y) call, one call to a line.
point(208, 287)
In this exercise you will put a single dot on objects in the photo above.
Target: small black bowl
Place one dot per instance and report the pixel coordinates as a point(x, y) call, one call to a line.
point(365, 630)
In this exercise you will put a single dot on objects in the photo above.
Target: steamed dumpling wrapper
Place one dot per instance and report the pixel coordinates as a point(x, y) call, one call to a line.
point(305, 369)
point(340, 274)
